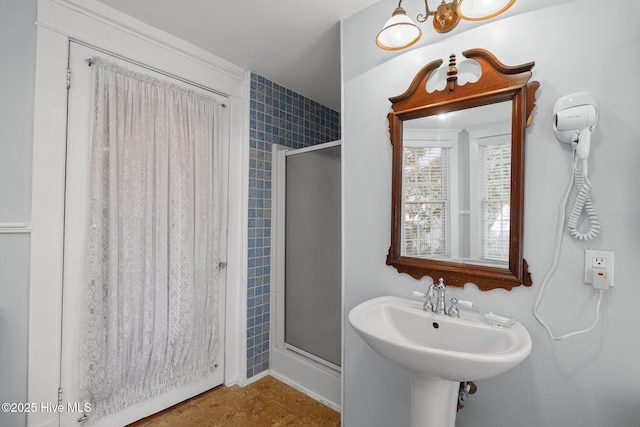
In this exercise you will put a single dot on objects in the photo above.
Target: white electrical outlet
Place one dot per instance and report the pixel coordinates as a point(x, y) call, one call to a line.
point(599, 260)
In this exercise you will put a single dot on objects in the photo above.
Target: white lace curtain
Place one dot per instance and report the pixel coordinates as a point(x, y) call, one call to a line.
point(154, 241)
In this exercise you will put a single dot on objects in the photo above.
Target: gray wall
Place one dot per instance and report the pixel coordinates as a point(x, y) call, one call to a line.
point(589, 380)
point(17, 49)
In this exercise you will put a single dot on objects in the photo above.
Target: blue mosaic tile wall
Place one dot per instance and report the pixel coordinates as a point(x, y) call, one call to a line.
point(278, 116)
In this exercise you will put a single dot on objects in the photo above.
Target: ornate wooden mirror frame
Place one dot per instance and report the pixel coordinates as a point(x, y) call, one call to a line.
point(497, 83)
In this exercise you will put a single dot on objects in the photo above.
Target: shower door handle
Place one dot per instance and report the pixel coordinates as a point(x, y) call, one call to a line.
point(222, 265)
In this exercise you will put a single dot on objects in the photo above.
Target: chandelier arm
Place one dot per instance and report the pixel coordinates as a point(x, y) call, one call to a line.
point(427, 13)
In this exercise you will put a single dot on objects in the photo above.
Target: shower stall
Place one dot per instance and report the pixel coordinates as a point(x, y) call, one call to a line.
point(307, 292)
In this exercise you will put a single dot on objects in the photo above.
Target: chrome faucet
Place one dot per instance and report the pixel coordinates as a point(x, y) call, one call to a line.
point(440, 307)
point(440, 304)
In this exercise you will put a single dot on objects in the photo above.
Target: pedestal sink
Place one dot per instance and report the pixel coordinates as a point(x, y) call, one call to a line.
point(439, 351)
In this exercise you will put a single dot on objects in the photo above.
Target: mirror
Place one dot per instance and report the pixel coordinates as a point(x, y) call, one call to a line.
point(457, 184)
point(456, 189)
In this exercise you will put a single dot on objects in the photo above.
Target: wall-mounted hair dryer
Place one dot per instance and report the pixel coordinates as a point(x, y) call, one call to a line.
point(574, 118)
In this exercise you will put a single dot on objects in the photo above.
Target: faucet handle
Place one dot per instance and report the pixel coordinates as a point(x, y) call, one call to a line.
point(428, 306)
point(453, 308)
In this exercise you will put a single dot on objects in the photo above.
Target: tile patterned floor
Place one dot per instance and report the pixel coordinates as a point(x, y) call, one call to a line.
point(264, 403)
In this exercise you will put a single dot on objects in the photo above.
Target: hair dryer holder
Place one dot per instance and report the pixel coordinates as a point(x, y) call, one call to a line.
point(574, 118)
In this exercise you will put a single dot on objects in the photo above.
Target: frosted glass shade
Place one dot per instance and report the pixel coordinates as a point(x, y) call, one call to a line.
point(399, 32)
point(477, 10)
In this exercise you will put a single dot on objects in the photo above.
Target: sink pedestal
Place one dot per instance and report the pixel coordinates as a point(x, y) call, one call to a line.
point(433, 402)
point(438, 351)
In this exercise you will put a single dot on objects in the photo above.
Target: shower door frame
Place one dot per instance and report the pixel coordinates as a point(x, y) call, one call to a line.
point(316, 377)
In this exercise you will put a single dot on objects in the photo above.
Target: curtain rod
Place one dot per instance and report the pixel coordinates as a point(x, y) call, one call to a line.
point(164, 73)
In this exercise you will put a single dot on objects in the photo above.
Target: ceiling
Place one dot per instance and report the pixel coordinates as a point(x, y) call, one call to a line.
point(295, 43)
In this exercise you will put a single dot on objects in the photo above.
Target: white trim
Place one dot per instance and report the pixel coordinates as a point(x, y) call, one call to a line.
point(313, 357)
point(254, 378)
point(489, 130)
point(288, 381)
point(430, 137)
point(152, 69)
point(58, 22)
point(489, 135)
point(444, 138)
point(15, 228)
point(343, 216)
point(47, 222)
point(278, 177)
point(292, 152)
point(236, 329)
point(104, 28)
point(124, 23)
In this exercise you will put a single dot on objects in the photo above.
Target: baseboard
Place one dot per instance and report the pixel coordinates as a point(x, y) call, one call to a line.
point(253, 379)
point(336, 407)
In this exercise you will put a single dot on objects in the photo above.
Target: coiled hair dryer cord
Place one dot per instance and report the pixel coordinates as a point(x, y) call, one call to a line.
point(580, 180)
point(583, 203)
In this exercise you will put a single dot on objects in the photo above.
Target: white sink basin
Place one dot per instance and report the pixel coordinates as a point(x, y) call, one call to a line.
point(436, 346)
point(439, 351)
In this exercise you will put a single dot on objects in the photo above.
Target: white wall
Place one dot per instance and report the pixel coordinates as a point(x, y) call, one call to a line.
point(17, 49)
point(590, 380)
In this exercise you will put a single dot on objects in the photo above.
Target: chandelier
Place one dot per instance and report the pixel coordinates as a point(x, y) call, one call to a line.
point(400, 31)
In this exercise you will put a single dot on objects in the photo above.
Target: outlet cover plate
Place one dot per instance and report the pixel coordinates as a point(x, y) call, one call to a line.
point(595, 257)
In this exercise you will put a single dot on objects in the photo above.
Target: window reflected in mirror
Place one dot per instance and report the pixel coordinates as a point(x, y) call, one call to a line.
point(456, 180)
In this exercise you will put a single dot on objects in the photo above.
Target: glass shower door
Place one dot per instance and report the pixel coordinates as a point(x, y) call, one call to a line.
point(313, 254)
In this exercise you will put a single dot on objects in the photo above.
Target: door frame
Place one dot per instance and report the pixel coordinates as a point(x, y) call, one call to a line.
point(76, 207)
point(91, 22)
